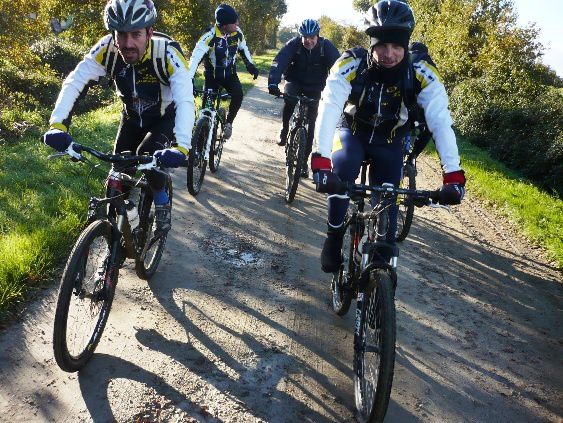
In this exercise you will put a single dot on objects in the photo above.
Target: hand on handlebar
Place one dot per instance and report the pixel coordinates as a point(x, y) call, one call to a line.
point(274, 90)
point(170, 157)
point(57, 139)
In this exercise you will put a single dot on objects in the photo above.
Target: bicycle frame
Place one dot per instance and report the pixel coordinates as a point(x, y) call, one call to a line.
point(209, 112)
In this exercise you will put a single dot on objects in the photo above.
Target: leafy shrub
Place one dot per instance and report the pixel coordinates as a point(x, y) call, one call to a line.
point(61, 55)
point(527, 136)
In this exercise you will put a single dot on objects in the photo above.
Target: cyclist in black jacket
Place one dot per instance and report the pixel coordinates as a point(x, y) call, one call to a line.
point(305, 62)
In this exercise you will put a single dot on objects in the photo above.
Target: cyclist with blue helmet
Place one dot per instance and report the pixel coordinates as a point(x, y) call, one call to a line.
point(304, 62)
point(365, 113)
point(151, 78)
point(219, 46)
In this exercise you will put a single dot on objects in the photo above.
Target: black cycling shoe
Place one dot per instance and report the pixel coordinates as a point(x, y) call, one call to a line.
point(283, 137)
point(163, 219)
point(331, 255)
point(305, 172)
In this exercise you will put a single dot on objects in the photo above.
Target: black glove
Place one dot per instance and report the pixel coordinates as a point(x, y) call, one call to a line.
point(57, 139)
point(274, 90)
point(325, 180)
point(453, 190)
point(253, 70)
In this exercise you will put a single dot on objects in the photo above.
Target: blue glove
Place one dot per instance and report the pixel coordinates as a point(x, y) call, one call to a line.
point(170, 157)
point(57, 139)
point(274, 90)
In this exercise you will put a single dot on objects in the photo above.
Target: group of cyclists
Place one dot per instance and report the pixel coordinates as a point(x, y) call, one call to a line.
point(365, 109)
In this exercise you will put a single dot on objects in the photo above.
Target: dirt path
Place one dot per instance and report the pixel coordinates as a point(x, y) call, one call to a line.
point(236, 326)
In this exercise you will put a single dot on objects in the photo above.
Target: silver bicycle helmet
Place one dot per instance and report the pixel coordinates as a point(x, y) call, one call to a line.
point(129, 15)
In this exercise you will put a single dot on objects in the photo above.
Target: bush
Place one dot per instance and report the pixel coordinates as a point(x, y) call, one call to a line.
point(527, 137)
point(62, 56)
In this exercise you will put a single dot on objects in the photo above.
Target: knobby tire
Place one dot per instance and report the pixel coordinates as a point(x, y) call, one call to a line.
point(85, 296)
point(378, 328)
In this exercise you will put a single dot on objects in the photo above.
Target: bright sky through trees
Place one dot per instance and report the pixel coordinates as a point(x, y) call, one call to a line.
point(547, 14)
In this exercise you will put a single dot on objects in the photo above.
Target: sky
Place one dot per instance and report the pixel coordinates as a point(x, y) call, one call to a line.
point(547, 14)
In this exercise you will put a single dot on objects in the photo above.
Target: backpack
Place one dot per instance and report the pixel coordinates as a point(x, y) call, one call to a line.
point(159, 47)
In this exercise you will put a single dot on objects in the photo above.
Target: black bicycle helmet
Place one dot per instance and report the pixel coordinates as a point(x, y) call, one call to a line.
point(129, 15)
point(389, 21)
point(309, 28)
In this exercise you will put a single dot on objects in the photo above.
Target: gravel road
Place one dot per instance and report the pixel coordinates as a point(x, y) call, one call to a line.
point(236, 326)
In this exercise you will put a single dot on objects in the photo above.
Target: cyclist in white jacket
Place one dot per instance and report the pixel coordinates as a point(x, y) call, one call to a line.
point(364, 113)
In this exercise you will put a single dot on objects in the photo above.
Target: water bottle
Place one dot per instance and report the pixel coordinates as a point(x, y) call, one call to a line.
point(132, 214)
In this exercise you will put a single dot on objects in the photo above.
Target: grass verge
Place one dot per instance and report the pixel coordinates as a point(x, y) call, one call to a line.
point(537, 214)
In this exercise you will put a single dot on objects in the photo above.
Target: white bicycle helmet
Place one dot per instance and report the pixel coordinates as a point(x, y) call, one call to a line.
point(129, 15)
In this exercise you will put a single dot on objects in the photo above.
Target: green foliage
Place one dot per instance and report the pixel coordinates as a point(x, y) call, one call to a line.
point(286, 33)
point(342, 36)
point(61, 55)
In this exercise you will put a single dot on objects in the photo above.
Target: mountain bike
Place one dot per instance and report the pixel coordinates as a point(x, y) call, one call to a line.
point(207, 139)
point(413, 144)
point(296, 146)
point(121, 225)
point(368, 274)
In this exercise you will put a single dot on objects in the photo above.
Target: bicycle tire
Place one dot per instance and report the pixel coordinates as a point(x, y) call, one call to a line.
point(341, 290)
point(196, 161)
point(147, 261)
point(97, 294)
point(217, 143)
point(378, 317)
point(295, 160)
point(406, 205)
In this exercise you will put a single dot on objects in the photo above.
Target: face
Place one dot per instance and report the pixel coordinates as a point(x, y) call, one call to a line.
point(228, 28)
point(132, 45)
point(388, 55)
point(310, 42)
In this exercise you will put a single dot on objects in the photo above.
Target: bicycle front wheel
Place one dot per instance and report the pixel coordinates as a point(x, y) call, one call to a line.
point(85, 297)
point(196, 159)
point(374, 352)
point(217, 143)
point(295, 160)
point(341, 279)
point(406, 205)
point(149, 248)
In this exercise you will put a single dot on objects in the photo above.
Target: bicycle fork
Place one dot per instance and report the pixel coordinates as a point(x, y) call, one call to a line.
point(210, 116)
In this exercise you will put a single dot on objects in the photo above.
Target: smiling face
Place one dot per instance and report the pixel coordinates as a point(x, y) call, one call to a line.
point(133, 45)
point(388, 55)
point(310, 42)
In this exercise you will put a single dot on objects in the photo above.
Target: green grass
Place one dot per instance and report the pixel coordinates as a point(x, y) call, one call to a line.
point(43, 203)
point(536, 213)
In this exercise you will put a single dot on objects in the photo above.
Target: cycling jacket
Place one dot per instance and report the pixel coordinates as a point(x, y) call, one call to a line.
point(220, 51)
point(381, 107)
point(146, 99)
point(308, 68)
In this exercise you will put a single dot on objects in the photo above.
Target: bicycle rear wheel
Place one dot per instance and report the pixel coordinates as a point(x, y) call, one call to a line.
point(196, 160)
point(374, 351)
point(85, 297)
point(149, 249)
point(295, 160)
point(406, 205)
point(341, 287)
point(217, 143)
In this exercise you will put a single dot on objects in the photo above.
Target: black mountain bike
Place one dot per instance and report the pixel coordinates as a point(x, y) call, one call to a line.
point(296, 146)
point(207, 139)
point(121, 225)
point(368, 274)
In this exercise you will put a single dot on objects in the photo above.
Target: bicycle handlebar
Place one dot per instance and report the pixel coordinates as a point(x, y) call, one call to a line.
point(419, 197)
point(75, 149)
point(302, 98)
point(224, 96)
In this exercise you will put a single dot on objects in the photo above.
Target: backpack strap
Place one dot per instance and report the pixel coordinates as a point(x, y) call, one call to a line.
point(110, 59)
point(409, 97)
point(159, 46)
